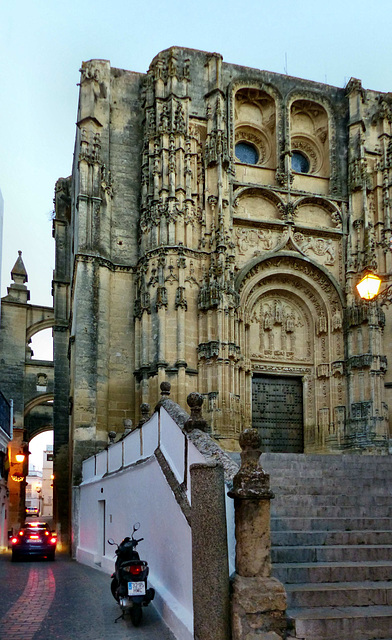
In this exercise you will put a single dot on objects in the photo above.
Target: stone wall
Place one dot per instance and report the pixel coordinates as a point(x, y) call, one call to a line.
point(27, 382)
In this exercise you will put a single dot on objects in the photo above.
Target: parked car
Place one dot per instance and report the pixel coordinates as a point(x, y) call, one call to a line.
point(34, 539)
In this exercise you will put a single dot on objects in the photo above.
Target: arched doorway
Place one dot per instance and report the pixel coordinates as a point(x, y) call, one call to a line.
point(294, 343)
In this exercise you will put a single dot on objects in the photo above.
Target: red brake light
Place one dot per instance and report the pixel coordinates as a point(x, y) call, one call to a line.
point(46, 533)
point(14, 540)
point(53, 540)
point(34, 537)
point(135, 569)
point(21, 533)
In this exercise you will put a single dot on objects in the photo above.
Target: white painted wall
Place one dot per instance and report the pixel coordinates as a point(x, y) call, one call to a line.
point(113, 499)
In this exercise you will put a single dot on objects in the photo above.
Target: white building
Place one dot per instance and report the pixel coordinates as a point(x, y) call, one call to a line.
point(47, 482)
point(34, 491)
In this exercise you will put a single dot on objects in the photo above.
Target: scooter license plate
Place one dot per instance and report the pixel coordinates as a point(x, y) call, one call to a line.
point(136, 589)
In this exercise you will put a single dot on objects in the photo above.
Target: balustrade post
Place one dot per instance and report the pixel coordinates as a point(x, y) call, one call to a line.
point(258, 606)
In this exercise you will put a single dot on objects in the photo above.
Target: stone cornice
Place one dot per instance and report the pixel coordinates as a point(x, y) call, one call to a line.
point(103, 262)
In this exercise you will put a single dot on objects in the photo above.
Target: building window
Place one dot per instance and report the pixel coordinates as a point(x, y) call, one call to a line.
point(299, 162)
point(246, 153)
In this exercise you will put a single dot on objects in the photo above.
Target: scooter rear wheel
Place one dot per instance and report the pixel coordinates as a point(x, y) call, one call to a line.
point(136, 614)
point(113, 588)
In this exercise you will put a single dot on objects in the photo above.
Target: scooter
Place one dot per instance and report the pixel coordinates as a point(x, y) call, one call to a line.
point(129, 580)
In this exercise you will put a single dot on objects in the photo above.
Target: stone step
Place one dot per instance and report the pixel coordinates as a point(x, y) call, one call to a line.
point(319, 460)
point(294, 573)
point(342, 500)
point(317, 538)
point(310, 523)
point(293, 637)
point(325, 464)
point(302, 472)
point(356, 474)
point(307, 464)
point(342, 623)
point(321, 488)
point(340, 594)
point(333, 553)
point(330, 511)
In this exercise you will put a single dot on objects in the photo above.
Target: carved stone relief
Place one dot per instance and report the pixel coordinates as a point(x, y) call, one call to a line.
point(297, 268)
point(317, 248)
point(281, 330)
point(247, 239)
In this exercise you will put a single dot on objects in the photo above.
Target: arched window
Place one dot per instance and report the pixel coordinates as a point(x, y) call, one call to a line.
point(41, 345)
point(309, 128)
point(246, 152)
point(255, 128)
point(299, 162)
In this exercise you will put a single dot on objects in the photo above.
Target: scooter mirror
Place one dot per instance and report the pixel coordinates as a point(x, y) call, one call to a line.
point(111, 541)
point(136, 526)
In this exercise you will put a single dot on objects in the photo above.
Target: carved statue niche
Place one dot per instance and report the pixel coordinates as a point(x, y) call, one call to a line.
point(283, 329)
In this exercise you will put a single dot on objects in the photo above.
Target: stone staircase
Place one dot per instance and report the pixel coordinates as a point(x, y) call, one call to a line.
point(331, 529)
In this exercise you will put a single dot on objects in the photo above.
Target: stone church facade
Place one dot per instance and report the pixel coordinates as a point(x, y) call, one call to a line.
point(211, 235)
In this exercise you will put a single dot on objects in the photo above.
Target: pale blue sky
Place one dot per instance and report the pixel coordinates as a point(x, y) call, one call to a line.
point(42, 45)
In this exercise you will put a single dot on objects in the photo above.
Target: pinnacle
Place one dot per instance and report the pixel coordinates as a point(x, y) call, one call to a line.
point(19, 270)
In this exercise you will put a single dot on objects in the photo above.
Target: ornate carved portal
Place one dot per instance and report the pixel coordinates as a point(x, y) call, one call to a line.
point(294, 339)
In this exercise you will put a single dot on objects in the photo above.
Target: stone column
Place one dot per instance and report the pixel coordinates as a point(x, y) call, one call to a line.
point(258, 600)
point(211, 605)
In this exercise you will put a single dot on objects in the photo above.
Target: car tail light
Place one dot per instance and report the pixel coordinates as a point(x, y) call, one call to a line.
point(21, 533)
point(14, 540)
point(46, 533)
point(34, 537)
point(134, 569)
point(53, 540)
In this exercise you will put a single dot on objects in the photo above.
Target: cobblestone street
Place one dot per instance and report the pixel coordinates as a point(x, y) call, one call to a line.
point(64, 600)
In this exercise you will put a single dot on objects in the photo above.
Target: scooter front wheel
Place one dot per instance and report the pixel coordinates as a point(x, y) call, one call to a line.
point(136, 614)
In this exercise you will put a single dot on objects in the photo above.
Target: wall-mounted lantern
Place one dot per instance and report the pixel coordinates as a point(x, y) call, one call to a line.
point(369, 286)
point(16, 476)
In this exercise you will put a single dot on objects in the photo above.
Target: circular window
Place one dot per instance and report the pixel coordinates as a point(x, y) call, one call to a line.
point(299, 162)
point(246, 153)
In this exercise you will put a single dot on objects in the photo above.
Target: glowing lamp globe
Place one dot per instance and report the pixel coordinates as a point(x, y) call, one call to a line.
point(369, 286)
point(19, 457)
